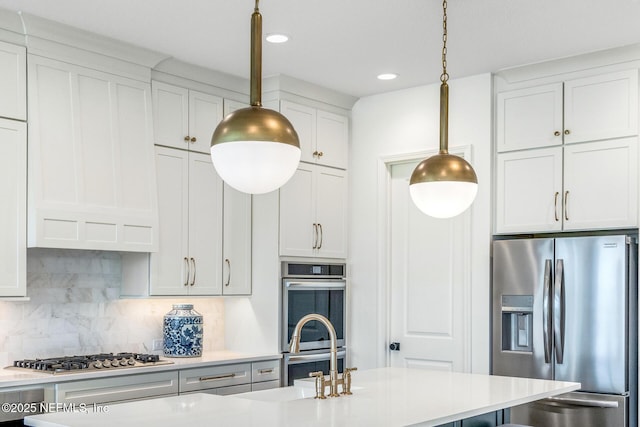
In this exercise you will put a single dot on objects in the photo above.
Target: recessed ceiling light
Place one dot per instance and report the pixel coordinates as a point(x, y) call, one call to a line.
point(277, 38)
point(387, 76)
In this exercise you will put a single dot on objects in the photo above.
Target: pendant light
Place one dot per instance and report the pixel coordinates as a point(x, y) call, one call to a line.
point(255, 150)
point(443, 185)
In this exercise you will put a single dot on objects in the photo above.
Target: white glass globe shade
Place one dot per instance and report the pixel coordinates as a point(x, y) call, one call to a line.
point(443, 199)
point(255, 167)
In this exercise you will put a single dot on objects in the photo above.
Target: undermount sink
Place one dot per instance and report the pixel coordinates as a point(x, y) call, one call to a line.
point(282, 394)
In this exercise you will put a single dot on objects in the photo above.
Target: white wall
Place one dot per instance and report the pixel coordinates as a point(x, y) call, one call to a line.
point(403, 122)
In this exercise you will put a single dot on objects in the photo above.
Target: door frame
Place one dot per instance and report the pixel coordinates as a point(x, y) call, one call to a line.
point(384, 253)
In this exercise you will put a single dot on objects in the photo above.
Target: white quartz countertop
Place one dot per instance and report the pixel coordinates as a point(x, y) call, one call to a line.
point(384, 397)
point(10, 377)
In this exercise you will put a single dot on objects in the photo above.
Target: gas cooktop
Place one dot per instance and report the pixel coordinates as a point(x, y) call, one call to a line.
point(90, 362)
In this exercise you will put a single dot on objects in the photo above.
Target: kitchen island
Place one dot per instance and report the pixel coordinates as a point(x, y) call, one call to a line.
point(382, 397)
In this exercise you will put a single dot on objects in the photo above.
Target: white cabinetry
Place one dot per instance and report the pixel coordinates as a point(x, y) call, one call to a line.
point(324, 136)
point(190, 210)
point(586, 176)
point(313, 213)
point(231, 379)
point(13, 191)
point(13, 81)
point(185, 118)
point(91, 164)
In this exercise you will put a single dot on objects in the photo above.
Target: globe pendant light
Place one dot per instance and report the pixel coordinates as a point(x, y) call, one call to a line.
point(255, 150)
point(443, 185)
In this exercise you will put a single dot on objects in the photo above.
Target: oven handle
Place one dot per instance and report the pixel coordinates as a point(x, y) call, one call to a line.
point(317, 285)
point(304, 358)
point(583, 402)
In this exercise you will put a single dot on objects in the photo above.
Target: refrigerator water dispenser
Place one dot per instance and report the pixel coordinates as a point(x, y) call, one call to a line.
point(517, 323)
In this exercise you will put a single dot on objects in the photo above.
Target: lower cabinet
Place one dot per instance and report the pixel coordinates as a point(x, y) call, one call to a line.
point(117, 389)
point(490, 419)
point(231, 379)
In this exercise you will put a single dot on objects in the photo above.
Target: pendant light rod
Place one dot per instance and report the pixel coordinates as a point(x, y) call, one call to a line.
point(444, 88)
point(256, 57)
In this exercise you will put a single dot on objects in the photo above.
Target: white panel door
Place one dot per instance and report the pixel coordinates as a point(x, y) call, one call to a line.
point(170, 265)
point(205, 226)
point(236, 241)
point(13, 81)
point(205, 112)
point(303, 119)
point(529, 191)
point(13, 216)
point(429, 289)
point(170, 115)
point(331, 212)
point(298, 228)
point(601, 107)
point(601, 184)
point(332, 139)
point(529, 118)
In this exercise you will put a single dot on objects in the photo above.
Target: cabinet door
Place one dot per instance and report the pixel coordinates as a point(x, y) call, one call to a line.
point(331, 212)
point(601, 107)
point(205, 112)
point(529, 118)
point(170, 115)
point(332, 139)
point(205, 226)
point(529, 191)
point(236, 241)
point(601, 184)
point(13, 191)
point(303, 119)
point(170, 265)
point(230, 106)
point(13, 81)
point(298, 228)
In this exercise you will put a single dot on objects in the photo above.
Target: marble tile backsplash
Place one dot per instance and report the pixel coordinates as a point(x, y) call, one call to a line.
point(75, 308)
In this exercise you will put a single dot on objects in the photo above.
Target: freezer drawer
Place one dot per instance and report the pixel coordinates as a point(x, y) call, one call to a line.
point(574, 410)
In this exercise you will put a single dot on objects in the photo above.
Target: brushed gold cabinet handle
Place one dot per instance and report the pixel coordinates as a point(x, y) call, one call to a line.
point(567, 132)
point(557, 133)
point(321, 235)
point(193, 281)
point(229, 270)
point(193, 139)
point(555, 206)
point(186, 138)
point(315, 239)
point(566, 204)
point(186, 270)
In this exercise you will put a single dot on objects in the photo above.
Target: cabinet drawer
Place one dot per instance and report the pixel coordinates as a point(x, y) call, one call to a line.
point(214, 377)
point(265, 371)
point(117, 389)
point(234, 389)
point(266, 385)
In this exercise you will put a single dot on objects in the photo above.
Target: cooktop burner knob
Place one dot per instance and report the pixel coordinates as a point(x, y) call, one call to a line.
point(123, 362)
point(106, 363)
point(131, 361)
point(97, 365)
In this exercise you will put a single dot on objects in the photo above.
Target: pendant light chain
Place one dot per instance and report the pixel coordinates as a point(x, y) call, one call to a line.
point(445, 76)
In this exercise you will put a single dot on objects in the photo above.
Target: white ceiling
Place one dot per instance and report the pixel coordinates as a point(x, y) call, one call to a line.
point(344, 44)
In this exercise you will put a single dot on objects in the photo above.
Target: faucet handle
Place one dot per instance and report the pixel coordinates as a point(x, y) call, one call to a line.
point(319, 375)
point(346, 380)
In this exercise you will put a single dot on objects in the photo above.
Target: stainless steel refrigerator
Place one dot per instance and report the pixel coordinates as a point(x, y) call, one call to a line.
point(565, 308)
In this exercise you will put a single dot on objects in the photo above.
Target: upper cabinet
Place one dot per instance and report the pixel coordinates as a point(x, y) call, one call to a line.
point(91, 160)
point(324, 136)
point(313, 213)
point(567, 155)
point(185, 118)
point(579, 110)
point(13, 81)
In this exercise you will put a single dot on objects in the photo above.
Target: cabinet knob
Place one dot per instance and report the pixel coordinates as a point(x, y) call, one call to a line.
point(193, 139)
point(567, 132)
point(187, 138)
point(320, 154)
point(315, 154)
point(557, 133)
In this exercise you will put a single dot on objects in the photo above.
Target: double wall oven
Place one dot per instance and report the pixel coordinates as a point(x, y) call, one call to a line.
point(312, 288)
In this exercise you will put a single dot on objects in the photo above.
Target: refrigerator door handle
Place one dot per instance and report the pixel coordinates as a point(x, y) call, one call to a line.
point(558, 311)
point(546, 318)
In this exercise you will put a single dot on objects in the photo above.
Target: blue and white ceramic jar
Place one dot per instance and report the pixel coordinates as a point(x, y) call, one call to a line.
point(183, 332)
